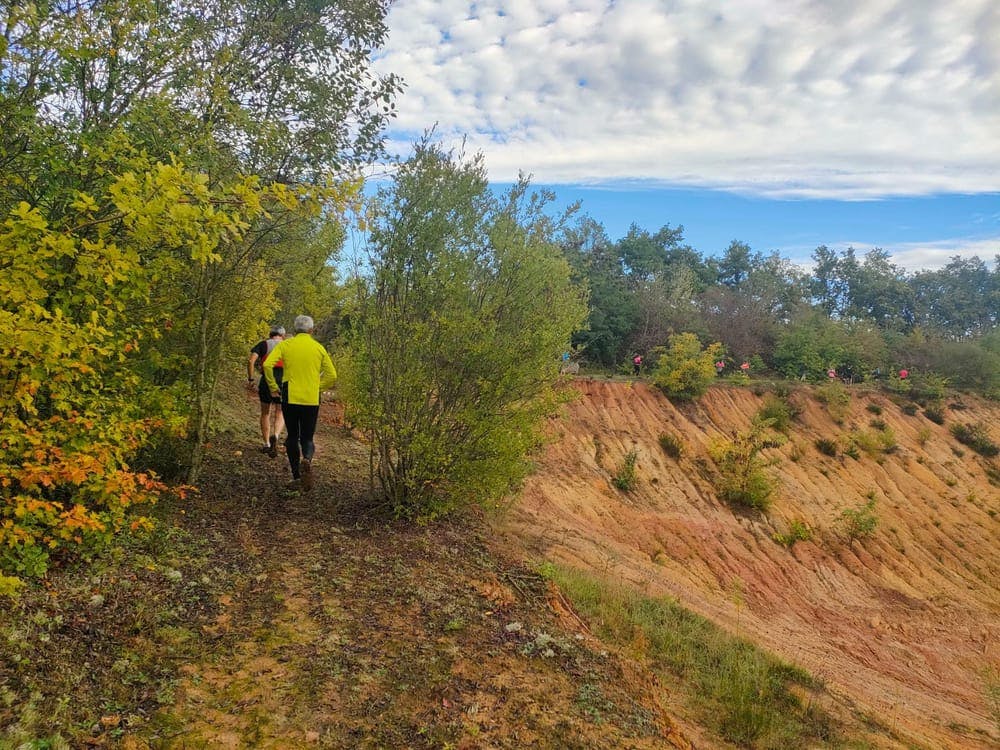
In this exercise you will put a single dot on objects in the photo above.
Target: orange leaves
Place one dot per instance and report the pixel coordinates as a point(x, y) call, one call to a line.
point(73, 414)
point(67, 488)
point(79, 518)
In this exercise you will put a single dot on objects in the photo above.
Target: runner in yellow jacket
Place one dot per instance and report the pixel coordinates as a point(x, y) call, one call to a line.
point(308, 370)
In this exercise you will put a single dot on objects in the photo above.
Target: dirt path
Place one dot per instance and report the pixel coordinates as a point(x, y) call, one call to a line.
point(343, 632)
point(903, 626)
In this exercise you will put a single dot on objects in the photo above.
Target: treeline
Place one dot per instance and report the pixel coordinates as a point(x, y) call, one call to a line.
point(859, 316)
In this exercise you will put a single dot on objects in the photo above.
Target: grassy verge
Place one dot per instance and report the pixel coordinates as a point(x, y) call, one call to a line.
point(738, 691)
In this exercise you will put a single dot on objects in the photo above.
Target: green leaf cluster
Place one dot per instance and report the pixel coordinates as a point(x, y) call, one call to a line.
point(686, 370)
point(742, 478)
point(453, 357)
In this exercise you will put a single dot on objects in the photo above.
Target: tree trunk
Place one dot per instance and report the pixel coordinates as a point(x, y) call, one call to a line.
point(201, 394)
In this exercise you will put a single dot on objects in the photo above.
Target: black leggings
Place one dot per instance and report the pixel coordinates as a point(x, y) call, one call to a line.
point(300, 421)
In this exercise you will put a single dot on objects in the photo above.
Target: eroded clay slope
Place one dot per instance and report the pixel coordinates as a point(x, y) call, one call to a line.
point(903, 625)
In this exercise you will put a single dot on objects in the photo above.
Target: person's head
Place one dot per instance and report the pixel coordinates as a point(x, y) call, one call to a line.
point(304, 324)
point(276, 331)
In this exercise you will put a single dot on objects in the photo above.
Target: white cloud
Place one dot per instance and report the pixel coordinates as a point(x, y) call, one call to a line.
point(932, 255)
point(912, 256)
point(813, 98)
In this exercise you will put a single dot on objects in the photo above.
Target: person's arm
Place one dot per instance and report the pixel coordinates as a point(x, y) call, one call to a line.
point(250, 365)
point(272, 358)
point(328, 373)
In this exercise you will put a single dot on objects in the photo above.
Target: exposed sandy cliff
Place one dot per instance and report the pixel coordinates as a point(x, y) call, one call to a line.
point(902, 625)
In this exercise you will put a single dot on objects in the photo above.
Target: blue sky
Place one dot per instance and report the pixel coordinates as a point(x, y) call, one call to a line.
point(784, 124)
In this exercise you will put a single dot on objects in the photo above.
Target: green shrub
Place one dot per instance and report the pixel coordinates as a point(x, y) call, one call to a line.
point(741, 478)
point(672, 445)
point(459, 284)
point(928, 387)
point(923, 435)
point(910, 410)
point(861, 521)
point(898, 385)
point(878, 424)
point(796, 453)
point(976, 437)
point(685, 370)
point(625, 478)
point(778, 411)
point(874, 409)
point(836, 398)
point(874, 442)
point(798, 531)
point(827, 447)
point(935, 414)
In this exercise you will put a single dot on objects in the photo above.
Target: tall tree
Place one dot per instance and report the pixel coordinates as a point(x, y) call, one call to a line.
point(613, 312)
point(960, 300)
point(455, 354)
point(282, 90)
point(828, 287)
point(736, 263)
point(879, 292)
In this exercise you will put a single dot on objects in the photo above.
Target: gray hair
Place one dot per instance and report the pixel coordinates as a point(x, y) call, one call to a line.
point(277, 331)
point(303, 324)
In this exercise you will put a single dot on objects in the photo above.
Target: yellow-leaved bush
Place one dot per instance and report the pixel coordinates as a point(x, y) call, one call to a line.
point(74, 318)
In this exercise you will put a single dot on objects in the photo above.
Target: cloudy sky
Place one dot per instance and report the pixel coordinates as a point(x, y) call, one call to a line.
point(786, 124)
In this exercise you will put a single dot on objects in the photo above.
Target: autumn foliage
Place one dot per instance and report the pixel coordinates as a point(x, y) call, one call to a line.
point(74, 323)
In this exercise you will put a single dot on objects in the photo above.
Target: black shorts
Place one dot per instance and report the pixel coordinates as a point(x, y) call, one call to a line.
point(264, 393)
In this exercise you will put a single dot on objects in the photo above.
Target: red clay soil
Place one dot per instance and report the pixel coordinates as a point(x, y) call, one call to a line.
point(903, 625)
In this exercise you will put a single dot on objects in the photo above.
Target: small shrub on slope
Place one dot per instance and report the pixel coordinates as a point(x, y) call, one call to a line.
point(826, 446)
point(976, 437)
point(779, 411)
point(798, 531)
point(860, 522)
point(741, 478)
point(672, 445)
point(685, 370)
point(836, 398)
point(625, 478)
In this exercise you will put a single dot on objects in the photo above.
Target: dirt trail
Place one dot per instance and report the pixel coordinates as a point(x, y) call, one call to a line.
point(903, 625)
point(342, 632)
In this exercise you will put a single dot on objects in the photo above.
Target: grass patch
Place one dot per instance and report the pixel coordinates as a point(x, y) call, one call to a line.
point(827, 446)
point(740, 692)
point(625, 478)
point(836, 397)
point(976, 437)
point(778, 412)
point(935, 414)
point(672, 445)
point(874, 442)
point(874, 409)
point(102, 641)
point(798, 531)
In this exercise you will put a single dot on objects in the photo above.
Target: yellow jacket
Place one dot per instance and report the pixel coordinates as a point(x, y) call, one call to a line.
point(308, 369)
